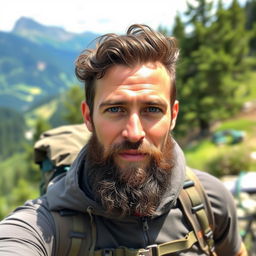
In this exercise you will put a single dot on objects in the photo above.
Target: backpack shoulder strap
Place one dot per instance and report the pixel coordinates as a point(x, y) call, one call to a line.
point(197, 208)
point(76, 235)
point(76, 232)
point(73, 233)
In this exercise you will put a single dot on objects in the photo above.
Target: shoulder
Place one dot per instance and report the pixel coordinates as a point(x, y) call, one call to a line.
point(29, 229)
point(36, 209)
point(226, 231)
point(220, 198)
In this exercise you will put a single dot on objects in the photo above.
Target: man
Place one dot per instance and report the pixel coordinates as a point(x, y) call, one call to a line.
point(130, 174)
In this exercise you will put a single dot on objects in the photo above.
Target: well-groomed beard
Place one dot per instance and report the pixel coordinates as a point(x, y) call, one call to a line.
point(136, 189)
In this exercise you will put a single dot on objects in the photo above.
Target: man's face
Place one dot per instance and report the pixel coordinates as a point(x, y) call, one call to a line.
point(132, 105)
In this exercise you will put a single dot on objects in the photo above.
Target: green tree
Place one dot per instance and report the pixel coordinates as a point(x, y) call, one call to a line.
point(22, 183)
point(72, 105)
point(250, 10)
point(213, 65)
point(41, 126)
point(200, 12)
point(179, 31)
point(12, 130)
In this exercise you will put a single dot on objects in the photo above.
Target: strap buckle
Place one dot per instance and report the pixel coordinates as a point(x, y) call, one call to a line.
point(151, 250)
point(209, 239)
point(188, 184)
point(107, 252)
point(197, 208)
point(209, 235)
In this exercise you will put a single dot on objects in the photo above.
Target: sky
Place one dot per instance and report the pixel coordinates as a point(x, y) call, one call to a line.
point(100, 16)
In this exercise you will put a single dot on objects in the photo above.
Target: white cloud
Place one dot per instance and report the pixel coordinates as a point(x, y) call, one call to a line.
point(99, 16)
point(95, 15)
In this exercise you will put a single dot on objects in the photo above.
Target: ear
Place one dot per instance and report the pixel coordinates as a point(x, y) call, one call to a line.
point(86, 115)
point(175, 111)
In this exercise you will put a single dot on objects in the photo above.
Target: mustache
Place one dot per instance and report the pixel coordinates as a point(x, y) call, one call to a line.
point(140, 146)
point(99, 156)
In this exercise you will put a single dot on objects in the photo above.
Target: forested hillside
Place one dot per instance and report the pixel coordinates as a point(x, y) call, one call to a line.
point(30, 72)
point(34, 68)
point(12, 132)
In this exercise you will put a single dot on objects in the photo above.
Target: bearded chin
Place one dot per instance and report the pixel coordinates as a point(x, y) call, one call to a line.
point(134, 190)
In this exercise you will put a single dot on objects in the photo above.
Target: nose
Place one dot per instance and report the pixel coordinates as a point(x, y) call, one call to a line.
point(133, 131)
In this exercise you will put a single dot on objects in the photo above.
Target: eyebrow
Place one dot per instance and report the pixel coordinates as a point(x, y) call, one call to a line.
point(155, 102)
point(112, 103)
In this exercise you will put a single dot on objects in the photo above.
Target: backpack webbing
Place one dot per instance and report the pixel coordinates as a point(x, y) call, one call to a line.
point(197, 208)
point(152, 250)
point(72, 233)
point(76, 232)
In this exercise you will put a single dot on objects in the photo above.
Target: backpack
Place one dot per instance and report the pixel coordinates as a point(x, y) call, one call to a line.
point(56, 149)
point(76, 232)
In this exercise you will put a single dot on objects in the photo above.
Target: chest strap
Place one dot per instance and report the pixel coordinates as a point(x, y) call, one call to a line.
point(152, 250)
point(79, 240)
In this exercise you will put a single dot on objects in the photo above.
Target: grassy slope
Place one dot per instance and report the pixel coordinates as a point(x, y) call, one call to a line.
point(199, 155)
point(45, 112)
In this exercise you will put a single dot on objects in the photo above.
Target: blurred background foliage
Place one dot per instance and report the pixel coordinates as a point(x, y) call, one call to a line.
point(216, 88)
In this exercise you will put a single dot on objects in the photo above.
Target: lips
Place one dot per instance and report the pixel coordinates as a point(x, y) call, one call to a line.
point(132, 155)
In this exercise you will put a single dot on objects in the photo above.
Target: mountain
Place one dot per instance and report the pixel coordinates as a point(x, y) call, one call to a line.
point(53, 36)
point(29, 72)
point(37, 63)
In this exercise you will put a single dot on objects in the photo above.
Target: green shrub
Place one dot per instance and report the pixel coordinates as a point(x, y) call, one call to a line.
point(230, 162)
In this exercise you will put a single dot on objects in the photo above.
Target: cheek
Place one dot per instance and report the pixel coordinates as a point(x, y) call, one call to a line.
point(106, 132)
point(159, 132)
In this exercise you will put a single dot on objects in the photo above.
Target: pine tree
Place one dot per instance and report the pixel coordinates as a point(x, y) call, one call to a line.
point(72, 105)
point(213, 65)
point(179, 30)
point(250, 13)
point(200, 12)
point(41, 126)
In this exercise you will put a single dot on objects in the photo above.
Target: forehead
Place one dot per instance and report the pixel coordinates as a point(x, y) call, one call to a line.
point(149, 78)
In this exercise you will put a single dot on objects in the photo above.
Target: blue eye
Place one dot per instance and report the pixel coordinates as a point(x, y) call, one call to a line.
point(114, 109)
point(153, 109)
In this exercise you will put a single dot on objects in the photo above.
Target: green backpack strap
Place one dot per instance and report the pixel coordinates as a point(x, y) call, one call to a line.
point(152, 250)
point(76, 235)
point(197, 209)
point(76, 232)
point(73, 233)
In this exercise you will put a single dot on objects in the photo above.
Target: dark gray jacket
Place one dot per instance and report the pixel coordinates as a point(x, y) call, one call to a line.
point(29, 230)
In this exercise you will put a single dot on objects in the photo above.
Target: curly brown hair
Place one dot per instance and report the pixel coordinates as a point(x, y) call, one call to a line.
point(139, 45)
